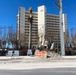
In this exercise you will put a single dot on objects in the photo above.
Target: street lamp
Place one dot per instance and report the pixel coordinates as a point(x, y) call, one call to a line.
point(30, 18)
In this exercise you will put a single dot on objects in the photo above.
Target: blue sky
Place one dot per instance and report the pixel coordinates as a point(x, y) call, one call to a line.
point(9, 10)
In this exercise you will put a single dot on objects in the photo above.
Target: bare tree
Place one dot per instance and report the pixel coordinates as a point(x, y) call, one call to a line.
point(73, 36)
point(66, 37)
point(0, 38)
point(74, 40)
point(11, 36)
point(49, 37)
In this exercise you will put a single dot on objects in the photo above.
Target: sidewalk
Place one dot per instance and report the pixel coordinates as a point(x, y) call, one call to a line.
point(27, 62)
point(27, 66)
point(32, 59)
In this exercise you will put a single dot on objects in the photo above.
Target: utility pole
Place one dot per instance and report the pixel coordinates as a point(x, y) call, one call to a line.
point(59, 5)
point(30, 27)
point(61, 31)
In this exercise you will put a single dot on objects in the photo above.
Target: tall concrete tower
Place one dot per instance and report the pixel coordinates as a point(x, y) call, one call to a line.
point(41, 24)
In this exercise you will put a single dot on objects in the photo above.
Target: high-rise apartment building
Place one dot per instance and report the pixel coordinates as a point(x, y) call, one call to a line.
point(45, 27)
point(23, 27)
point(48, 27)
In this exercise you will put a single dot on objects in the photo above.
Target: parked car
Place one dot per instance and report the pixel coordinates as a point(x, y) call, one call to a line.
point(29, 52)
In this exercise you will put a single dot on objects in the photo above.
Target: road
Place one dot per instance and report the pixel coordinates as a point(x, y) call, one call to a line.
point(50, 71)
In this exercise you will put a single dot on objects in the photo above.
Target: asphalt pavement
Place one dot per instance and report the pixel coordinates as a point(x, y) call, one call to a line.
point(47, 71)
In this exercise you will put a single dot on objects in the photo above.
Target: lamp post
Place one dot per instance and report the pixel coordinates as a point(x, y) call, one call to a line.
point(30, 18)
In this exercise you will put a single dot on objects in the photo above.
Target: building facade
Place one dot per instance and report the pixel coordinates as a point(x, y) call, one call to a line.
point(23, 27)
point(65, 30)
point(45, 27)
point(48, 27)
